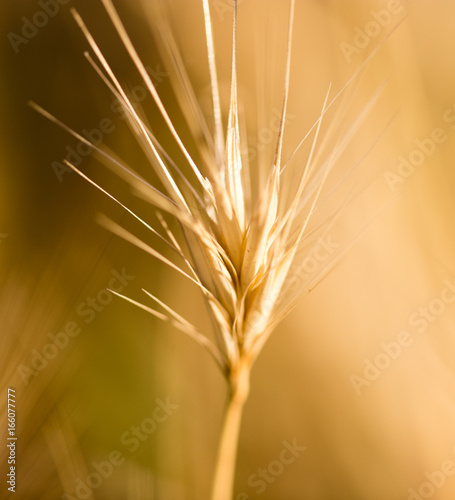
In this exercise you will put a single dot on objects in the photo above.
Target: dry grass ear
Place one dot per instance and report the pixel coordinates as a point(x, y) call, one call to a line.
point(246, 253)
point(236, 245)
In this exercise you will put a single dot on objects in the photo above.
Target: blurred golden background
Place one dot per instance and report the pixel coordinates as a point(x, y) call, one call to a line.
point(361, 374)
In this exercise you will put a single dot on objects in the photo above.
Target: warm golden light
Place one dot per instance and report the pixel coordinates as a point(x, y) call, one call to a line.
point(352, 395)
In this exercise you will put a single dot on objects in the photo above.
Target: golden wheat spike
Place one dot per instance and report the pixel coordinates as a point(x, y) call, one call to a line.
point(239, 246)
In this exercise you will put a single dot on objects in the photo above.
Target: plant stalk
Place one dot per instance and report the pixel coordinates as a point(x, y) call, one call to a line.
point(223, 483)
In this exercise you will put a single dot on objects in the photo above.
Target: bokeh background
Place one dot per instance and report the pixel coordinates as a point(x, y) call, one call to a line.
point(381, 440)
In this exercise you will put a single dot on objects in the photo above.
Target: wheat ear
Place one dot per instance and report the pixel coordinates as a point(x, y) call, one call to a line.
point(238, 242)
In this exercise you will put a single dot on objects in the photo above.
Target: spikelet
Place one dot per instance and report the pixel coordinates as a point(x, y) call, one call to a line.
point(241, 244)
